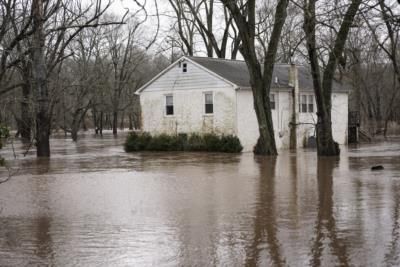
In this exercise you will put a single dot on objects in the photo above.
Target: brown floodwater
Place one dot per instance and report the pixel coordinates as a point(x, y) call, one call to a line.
point(92, 204)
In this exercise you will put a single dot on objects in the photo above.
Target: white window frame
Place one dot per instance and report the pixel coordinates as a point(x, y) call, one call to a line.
point(204, 103)
point(165, 105)
point(312, 103)
point(307, 103)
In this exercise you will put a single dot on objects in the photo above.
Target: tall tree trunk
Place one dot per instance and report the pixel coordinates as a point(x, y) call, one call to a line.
point(74, 133)
point(260, 80)
point(26, 118)
point(266, 142)
point(95, 122)
point(115, 123)
point(130, 117)
point(323, 85)
point(101, 123)
point(40, 85)
point(122, 121)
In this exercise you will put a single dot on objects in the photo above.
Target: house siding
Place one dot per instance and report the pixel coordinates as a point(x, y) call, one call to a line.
point(339, 121)
point(248, 132)
point(195, 78)
point(233, 109)
point(188, 95)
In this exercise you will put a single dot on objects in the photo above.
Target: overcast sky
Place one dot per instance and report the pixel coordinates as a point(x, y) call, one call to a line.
point(119, 7)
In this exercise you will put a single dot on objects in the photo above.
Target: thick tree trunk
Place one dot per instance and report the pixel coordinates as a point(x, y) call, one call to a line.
point(74, 134)
point(325, 143)
point(76, 122)
point(101, 123)
point(95, 123)
point(107, 121)
point(39, 75)
point(260, 79)
point(115, 123)
point(26, 118)
point(122, 121)
point(266, 142)
point(130, 117)
point(326, 146)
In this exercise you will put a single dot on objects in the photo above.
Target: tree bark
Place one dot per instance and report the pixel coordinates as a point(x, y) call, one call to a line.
point(130, 117)
point(39, 75)
point(122, 121)
point(326, 146)
point(26, 118)
point(260, 80)
point(115, 123)
point(101, 123)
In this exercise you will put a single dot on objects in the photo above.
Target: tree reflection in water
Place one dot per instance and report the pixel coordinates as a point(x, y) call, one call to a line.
point(265, 225)
point(326, 224)
point(392, 257)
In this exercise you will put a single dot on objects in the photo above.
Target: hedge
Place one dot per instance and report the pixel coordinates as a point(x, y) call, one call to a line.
point(182, 142)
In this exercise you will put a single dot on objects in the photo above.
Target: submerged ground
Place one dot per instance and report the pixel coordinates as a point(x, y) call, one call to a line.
point(94, 205)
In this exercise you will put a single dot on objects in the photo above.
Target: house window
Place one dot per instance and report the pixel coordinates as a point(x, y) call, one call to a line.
point(209, 103)
point(306, 103)
point(272, 101)
point(169, 105)
point(184, 67)
point(310, 103)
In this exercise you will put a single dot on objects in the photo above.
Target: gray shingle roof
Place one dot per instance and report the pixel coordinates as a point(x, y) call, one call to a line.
point(236, 72)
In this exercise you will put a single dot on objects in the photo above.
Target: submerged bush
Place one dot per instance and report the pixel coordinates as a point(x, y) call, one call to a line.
point(230, 144)
point(137, 142)
point(182, 142)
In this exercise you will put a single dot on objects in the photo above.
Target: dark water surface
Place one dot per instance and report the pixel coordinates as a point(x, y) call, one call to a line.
point(94, 205)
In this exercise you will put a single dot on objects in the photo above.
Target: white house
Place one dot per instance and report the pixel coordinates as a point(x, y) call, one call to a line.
point(203, 95)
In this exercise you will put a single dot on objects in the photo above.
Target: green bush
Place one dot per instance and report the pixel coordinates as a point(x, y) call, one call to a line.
point(163, 142)
point(137, 142)
point(182, 142)
point(212, 142)
point(195, 143)
point(230, 144)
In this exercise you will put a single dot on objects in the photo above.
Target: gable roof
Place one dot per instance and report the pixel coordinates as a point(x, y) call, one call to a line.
point(236, 71)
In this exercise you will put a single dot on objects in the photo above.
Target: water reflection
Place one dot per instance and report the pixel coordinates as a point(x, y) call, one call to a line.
point(43, 239)
point(392, 257)
point(265, 225)
point(42, 228)
point(326, 230)
point(92, 204)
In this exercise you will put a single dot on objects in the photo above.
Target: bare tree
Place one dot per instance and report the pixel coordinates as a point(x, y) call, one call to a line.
point(323, 81)
point(63, 23)
point(386, 33)
point(15, 26)
point(126, 53)
point(207, 22)
point(260, 78)
point(207, 28)
point(184, 26)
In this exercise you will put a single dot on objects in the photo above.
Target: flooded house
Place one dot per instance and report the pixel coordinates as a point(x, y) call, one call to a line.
point(209, 95)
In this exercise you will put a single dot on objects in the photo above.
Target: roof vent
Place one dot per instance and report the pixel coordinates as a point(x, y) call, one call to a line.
point(276, 80)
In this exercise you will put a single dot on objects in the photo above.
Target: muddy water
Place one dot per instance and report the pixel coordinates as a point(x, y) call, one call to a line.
point(94, 205)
